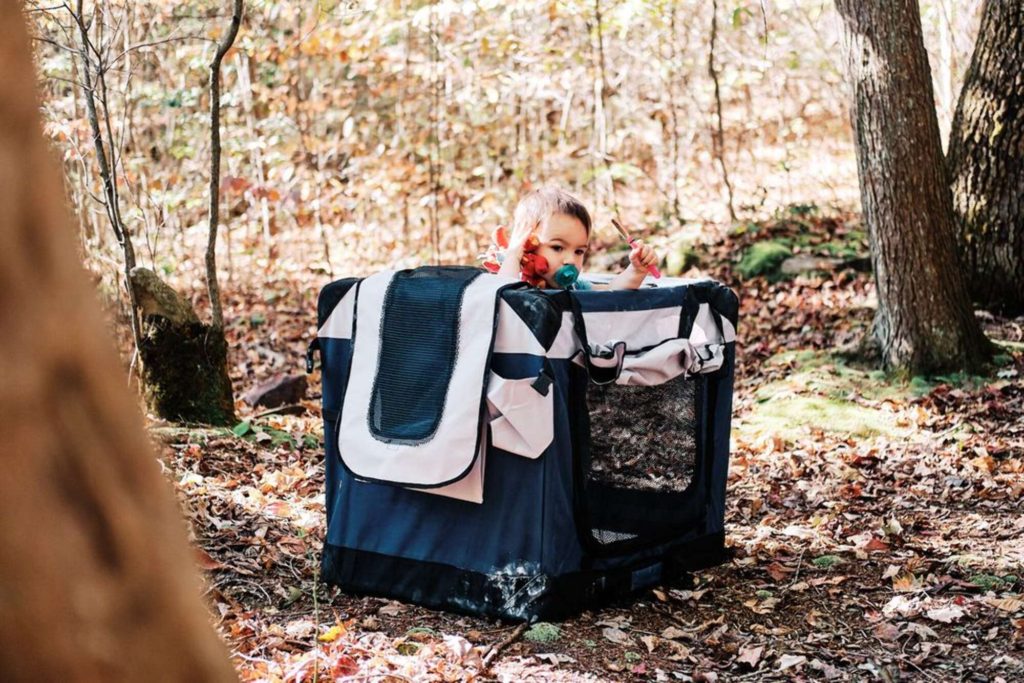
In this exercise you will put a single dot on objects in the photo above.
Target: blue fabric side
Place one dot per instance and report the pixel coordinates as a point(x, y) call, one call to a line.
point(562, 551)
point(334, 362)
point(721, 413)
point(627, 300)
point(524, 525)
point(335, 355)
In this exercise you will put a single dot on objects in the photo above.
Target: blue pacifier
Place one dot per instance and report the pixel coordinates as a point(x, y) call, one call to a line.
point(565, 277)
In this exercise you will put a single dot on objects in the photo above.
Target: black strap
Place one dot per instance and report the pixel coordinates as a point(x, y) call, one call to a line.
point(598, 374)
point(313, 346)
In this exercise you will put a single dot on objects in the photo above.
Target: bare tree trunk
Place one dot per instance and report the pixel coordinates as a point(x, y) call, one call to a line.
point(986, 160)
point(924, 321)
point(96, 581)
point(211, 244)
point(718, 135)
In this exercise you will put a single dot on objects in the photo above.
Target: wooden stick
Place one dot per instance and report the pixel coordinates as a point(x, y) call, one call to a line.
point(501, 645)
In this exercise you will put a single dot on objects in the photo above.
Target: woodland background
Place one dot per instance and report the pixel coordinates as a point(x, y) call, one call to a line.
point(876, 518)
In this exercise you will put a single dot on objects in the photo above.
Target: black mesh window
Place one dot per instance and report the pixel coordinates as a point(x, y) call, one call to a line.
point(644, 438)
point(643, 457)
point(419, 338)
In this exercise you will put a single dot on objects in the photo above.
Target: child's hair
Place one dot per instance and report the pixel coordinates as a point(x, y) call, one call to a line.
point(543, 203)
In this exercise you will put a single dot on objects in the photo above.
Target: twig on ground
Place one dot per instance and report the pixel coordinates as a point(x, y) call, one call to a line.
point(502, 644)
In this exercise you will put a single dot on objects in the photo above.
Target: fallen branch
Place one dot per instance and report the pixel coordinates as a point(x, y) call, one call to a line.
point(502, 644)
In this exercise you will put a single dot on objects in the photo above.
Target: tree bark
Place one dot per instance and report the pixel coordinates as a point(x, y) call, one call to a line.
point(986, 160)
point(924, 322)
point(96, 578)
point(211, 243)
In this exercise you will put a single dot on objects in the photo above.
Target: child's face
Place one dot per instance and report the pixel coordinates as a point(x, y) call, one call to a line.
point(563, 239)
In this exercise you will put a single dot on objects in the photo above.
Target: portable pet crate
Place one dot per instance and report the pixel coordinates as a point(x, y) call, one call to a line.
point(505, 451)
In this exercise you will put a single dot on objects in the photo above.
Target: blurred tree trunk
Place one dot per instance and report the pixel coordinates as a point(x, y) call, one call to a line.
point(924, 321)
point(96, 578)
point(986, 160)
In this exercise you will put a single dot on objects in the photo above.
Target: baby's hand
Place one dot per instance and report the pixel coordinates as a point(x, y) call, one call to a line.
point(642, 256)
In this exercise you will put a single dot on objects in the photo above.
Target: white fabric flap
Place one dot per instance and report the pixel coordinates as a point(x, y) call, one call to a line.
point(668, 361)
point(450, 453)
point(522, 419)
point(471, 487)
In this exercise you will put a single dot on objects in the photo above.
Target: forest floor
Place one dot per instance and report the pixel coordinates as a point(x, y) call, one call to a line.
point(876, 522)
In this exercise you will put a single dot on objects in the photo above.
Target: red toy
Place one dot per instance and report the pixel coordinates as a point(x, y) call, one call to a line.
point(532, 265)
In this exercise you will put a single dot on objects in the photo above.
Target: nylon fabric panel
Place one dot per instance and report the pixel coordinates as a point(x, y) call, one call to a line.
point(720, 409)
point(335, 356)
point(450, 454)
point(415, 361)
point(524, 525)
point(562, 549)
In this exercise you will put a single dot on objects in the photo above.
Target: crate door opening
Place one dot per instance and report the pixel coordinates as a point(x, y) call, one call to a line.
point(644, 459)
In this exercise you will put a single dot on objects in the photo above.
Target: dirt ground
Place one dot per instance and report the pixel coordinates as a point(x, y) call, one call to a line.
point(876, 523)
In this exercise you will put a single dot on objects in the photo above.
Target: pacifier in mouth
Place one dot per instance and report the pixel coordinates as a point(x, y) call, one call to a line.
point(565, 277)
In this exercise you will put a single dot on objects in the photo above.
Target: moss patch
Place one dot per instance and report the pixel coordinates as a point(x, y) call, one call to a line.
point(184, 371)
point(543, 632)
point(821, 392)
point(763, 258)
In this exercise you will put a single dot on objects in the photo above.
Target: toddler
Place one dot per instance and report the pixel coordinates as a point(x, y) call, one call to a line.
point(562, 226)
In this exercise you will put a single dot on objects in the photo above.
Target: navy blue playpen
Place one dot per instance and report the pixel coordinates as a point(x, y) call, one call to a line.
point(505, 451)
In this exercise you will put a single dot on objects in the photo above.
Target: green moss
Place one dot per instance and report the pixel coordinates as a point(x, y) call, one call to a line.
point(763, 258)
point(543, 632)
point(839, 417)
point(802, 210)
point(989, 582)
point(821, 391)
point(184, 371)
point(827, 561)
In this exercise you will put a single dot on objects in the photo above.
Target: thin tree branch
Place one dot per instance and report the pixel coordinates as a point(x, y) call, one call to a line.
point(109, 181)
point(718, 134)
point(211, 244)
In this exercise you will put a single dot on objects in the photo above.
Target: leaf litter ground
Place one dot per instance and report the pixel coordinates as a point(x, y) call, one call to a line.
point(876, 525)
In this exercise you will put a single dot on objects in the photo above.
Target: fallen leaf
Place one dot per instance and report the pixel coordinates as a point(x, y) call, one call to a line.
point(750, 656)
point(789, 661)
point(206, 562)
point(886, 630)
point(947, 615)
point(778, 572)
point(671, 633)
point(617, 635)
point(1010, 605)
point(332, 634)
point(923, 632)
point(650, 642)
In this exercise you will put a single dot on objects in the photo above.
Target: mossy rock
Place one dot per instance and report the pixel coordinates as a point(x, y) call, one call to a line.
point(680, 259)
point(763, 258)
point(185, 375)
